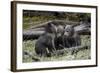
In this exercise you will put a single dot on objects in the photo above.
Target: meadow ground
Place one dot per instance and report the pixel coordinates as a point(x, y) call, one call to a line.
point(83, 54)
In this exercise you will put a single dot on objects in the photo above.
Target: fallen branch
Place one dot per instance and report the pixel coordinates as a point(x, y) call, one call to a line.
point(37, 30)
point(31, 55)
point(64, 22)
point(72, 49)
point(28, 35)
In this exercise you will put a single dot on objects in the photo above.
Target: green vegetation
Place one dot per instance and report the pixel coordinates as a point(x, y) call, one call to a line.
point(31, 18)
point(81, 55)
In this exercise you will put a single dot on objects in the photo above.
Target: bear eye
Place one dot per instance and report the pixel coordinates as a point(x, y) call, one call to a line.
point(67, 31)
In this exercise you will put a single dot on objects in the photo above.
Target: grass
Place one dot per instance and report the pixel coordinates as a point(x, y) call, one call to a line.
point(81, 55)
point(31, 21)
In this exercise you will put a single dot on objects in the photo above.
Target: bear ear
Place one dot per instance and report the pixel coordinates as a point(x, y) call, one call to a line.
point(73, 26)
point(50, 25)
point(64, 26)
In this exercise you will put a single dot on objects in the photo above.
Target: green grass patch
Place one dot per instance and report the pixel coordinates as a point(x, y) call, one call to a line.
point(81, 55)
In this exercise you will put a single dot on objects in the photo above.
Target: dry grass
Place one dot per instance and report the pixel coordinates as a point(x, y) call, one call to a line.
point(81, 55)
